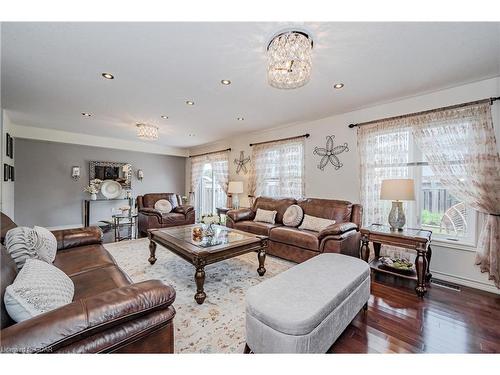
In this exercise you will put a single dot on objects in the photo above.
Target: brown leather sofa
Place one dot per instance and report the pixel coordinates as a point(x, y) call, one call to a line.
point(149, 218)
point(299, 245)
point(108, 313)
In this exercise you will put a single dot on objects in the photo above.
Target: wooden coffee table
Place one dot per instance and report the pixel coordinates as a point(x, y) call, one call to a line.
point(226, 243)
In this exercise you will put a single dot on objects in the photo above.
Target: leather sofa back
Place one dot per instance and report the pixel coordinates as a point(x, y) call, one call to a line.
point(8, 274)
point(272, 204)
point(331, 209)
point(6, 224)
point(149, 200)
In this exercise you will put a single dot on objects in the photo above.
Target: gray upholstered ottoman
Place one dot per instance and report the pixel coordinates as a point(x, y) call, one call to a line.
point(306, 308)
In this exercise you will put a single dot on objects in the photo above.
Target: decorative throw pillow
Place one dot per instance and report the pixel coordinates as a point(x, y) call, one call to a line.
point(265, 216)
point(39, 287)
point(21, 244)
point(163, 206)
point(293, 216)
point(46, 245)
point(314, 223)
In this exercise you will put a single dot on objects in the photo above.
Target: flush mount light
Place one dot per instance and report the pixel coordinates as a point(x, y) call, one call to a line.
point(147, 131)
point(189, 102)
point(240, 118)
point(289, 60)
point(338, 85)
point(86, 114)
point(225, 82)
point(164, 117)
point(108, 75)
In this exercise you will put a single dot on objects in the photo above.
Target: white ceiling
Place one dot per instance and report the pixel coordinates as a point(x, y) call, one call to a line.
point(51, 72)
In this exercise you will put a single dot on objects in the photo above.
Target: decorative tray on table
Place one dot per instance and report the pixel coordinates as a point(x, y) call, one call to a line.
point(397, 265)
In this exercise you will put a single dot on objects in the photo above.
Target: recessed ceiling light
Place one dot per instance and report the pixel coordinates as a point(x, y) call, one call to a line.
point(108, 75)
point(189, 102)
point(191, 135)
point(225, 82)
point(86, 114)
point(164, 117)
point(240, 118)
point(338, 85)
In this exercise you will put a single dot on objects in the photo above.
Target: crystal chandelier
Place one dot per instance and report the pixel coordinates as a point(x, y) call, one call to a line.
point(147, 131)
point(289, 57)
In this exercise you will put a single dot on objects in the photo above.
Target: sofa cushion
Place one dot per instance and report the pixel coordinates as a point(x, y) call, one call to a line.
point(38, 288)
point(293, 216)
point(172, 218)
point(340, 211)
point(163, 205)
point(27, 243)
point(274, 204)
point(98, 280)
point(81, 259)
point(265, 216)
point(149, 200)
point(296, 237)
point(316, 224)
point(255, 227)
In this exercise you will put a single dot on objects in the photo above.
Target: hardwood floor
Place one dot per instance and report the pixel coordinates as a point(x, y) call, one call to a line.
point(445, 321)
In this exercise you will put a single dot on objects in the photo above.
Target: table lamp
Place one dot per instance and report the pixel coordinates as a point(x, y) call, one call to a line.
point(397, 190)
point(234, 188)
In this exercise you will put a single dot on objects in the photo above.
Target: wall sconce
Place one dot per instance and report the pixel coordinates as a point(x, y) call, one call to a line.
point(140, 174)
point(75, 173)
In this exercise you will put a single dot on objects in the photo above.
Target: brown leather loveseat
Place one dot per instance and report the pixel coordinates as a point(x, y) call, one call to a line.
point(299, 245)
point(149, 218)
point(108, 313)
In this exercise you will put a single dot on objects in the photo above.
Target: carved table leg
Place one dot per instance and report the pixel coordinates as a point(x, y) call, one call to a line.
point(261, 255)
point(247, 349)
point(364, 251)
point(152, 251)
point(421, 266)
point(428, 255)
point(199, 277)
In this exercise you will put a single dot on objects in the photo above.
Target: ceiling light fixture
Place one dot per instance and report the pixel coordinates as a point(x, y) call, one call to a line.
point(164, 117)
point(147, 131)
point(191, 134)
point(240, 118)
point(338, 85)
point(189, 102)
point(108, 75)
point(225, 82)
point(86, 114)
point(289, 60)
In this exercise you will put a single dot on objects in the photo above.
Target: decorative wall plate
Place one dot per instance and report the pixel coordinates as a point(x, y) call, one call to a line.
point(111, 189)
point(329, 153)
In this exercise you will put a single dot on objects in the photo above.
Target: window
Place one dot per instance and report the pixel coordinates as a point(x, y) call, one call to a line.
point(278, 169)
point(393, 153)
point(210, 194)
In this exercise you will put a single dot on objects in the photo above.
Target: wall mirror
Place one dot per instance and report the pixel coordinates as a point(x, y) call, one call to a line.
point(106, 170)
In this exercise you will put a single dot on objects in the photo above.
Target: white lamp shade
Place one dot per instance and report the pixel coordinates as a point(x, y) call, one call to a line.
point(400, 189)
point(235, 187)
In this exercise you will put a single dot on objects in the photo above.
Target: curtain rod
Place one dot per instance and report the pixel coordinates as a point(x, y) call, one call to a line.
point(282, 139)
point(491, 100)
point(209, 153)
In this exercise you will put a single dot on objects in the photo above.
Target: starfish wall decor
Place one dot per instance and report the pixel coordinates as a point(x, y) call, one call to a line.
point(329, 153)
point(240, 163)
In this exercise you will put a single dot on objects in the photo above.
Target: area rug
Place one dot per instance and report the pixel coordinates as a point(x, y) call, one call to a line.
point(217, 326)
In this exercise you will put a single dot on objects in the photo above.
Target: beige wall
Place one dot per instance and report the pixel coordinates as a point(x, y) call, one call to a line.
point(452, 263)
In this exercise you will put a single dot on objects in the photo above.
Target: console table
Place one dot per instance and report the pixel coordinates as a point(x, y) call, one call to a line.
point(414, 239)
point(89, 202)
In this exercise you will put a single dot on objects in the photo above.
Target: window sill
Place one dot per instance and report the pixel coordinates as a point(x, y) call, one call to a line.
point(456, 245)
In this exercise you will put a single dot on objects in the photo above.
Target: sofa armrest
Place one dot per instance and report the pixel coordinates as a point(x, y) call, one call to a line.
point(150, 212)
point(68, 238)
point(83, 318)
point(241, 214)
point(183, 209)
point(337, 229)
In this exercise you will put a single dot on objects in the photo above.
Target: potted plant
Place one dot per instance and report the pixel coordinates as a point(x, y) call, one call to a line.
point(93, 188)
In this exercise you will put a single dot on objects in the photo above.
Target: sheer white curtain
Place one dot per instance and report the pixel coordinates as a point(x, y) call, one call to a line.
point(384, 151)
point(197, 164)
point(220, 167)
point(460, 146)
point(277, 169)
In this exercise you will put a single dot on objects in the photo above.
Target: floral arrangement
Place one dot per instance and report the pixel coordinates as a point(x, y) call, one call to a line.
point(94, 186)
point(210, 219)
point(184, 199)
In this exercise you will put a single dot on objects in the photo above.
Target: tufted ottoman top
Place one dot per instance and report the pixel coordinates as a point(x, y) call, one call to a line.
point(299, 299)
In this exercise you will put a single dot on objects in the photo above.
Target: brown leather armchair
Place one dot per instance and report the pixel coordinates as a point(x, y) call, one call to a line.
point(297, 244)
point(149, 218)
point(108, 313)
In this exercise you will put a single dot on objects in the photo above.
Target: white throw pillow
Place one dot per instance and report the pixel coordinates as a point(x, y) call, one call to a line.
point(314, 223)
point(39, 287)
point(46, 245)
point(293, 216)
point(265, 216)
point(163, 206)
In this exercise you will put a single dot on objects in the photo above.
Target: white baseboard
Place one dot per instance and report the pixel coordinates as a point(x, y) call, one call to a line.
point(465, 282)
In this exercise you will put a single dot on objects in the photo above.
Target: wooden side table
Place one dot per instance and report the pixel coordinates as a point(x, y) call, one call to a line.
point(414, 239)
